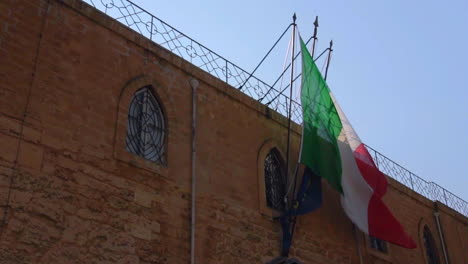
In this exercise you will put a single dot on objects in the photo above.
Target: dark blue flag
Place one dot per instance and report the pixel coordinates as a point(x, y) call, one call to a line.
point(309, 198)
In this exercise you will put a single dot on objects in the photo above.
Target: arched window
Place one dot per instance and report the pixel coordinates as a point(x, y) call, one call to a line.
point(430, 247)
point(275, 180)
point(146, 132)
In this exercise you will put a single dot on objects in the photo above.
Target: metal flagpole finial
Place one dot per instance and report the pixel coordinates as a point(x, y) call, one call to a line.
point(330, 49)
point(316, 25)
point(315, 35)
point(294, 18)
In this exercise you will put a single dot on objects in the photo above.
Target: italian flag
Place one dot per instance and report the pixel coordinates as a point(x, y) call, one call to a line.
point(332, 149)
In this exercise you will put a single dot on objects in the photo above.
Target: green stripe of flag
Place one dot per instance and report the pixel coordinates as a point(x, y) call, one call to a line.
point(322, 124)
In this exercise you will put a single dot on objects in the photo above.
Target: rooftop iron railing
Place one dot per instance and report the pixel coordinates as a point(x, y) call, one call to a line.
point(430, 190)
point(158, 31)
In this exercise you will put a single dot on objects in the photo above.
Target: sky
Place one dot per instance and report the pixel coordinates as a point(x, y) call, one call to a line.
point(398, 69)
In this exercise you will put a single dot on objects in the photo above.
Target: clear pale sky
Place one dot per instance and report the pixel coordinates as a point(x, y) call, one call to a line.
point(399, 68)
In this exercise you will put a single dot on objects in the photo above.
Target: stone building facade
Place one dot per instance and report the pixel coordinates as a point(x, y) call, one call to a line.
point(72, 191)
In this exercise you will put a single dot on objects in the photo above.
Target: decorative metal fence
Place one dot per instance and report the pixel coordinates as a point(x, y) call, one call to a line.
point(430, 190)
point(158, 31)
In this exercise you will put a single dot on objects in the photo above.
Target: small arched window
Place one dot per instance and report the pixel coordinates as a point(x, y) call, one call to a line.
point(430, 247)
point(275, 180)
point(146, 132)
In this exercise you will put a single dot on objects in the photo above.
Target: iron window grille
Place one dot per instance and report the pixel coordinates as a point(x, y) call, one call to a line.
point(378, 244)
point(275, 181)
point(430, 247)
point(146, 130)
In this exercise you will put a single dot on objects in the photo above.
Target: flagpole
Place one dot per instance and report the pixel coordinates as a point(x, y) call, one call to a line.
point(330, 50)
point(314, 37)
point(316, 25)
point(286, 227)
point(290, 100)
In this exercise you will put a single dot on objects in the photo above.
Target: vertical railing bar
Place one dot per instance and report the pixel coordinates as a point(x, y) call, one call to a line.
point(376, 160)
point(226, 72)
point(411, 181)
point(151, 30)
